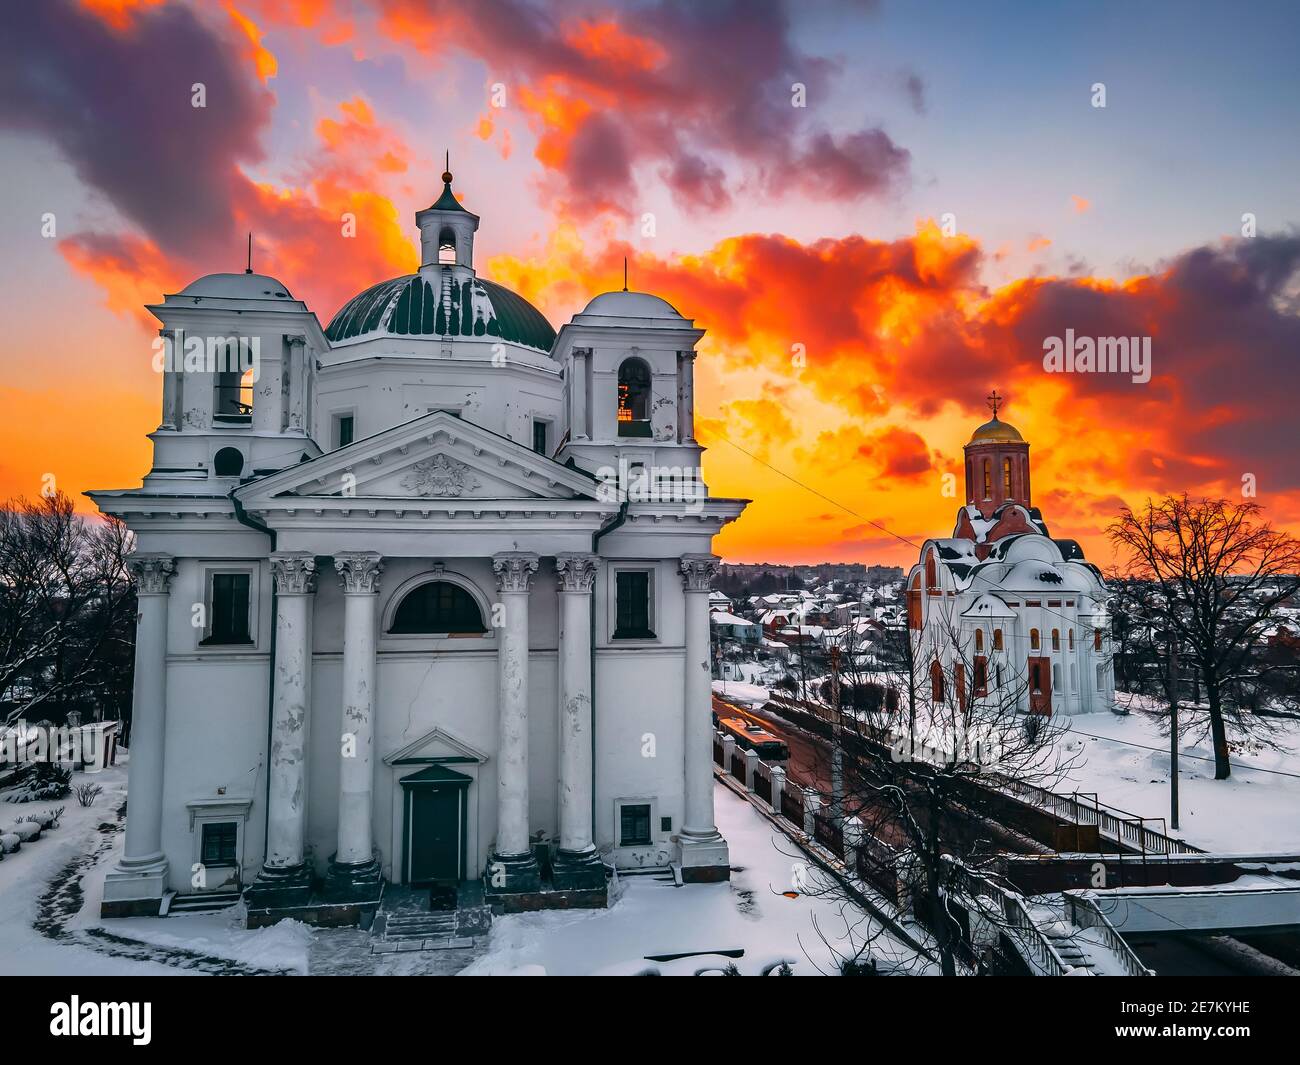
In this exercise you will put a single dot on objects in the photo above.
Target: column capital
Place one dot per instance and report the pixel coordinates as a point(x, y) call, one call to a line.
point(514, 570)
point(359, 571)
point(152, 571)
point(577, 571)
point(698, 572)
point(294, 572)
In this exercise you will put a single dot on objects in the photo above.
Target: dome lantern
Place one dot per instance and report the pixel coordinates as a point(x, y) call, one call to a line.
point(446, 232)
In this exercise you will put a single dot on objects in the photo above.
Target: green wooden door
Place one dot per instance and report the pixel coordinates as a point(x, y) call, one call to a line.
point(436, 814)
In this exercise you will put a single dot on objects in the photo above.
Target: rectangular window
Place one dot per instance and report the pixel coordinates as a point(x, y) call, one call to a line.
point(632, 605)
point(634, 825)
point(229, 609)
point(345, 430)
point(541, 435)
point(219, 842)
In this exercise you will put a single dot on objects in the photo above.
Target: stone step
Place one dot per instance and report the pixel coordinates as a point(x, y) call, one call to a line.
point(204, 903)
point(416, 928)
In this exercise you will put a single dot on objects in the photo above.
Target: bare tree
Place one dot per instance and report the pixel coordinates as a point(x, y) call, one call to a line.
point(927, 776)
point(1217, 573)
point(66, 605)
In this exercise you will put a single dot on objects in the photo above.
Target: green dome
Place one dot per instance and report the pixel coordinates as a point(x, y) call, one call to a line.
point(412, 306)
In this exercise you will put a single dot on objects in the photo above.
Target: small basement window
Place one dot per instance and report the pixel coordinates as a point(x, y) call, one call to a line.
point(634, 825)
point(220, 840)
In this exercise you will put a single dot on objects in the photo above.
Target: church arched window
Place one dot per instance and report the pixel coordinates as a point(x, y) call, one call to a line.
point(447, 247)
point(438, 608)
point(1071, 639)
point(988, 479)
point(1006, 478)
point(931, 576)
point(936, 682)
point(1096, 639)
point(1056, 639)
point(634, 398)
point(1033, 640)
point(979, 639)
point(997, 639)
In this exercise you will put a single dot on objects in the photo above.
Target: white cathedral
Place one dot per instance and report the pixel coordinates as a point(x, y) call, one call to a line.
point(1023, 613)
point(423, 596)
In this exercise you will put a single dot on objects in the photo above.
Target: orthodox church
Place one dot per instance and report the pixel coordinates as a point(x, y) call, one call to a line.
point(423, 596)
point(1022, 612)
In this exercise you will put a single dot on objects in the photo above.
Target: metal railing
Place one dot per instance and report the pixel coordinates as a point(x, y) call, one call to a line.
point(1117, 825)
point(1019, 920)
point(1084, 912)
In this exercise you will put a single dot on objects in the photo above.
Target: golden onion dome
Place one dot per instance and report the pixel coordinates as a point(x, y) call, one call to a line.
point(996, 432)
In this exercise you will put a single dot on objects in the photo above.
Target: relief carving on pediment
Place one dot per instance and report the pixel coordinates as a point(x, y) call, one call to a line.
point(440, 476)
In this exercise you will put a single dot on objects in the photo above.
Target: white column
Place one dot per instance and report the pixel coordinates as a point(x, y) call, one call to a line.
point(578, 363)
point(359, 574)
point(686, 395)
point(577, 574)
point(295, 576)
point(296, 368)
point(512, 866)
point(141, 873)
point(703, 850)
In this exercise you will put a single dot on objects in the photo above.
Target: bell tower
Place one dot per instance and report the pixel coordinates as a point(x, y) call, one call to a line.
point(997, 464)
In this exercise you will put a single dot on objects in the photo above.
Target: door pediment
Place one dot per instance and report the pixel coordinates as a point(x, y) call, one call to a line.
point(434, 746)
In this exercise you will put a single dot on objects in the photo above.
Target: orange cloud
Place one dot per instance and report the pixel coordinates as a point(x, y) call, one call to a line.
point(1079, 204)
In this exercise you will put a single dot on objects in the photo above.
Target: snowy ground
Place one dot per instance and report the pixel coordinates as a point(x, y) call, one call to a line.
point(748, 914)
point(739, 692)
point(51, 889)
point(1126, 761)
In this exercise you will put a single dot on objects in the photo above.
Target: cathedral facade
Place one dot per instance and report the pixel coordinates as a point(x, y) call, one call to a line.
point(423, 595)
point(1001, 611)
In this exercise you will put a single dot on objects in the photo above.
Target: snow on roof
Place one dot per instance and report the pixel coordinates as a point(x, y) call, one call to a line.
point(721, 617)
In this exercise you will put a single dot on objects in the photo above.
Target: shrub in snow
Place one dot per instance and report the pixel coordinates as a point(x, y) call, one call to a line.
point(10, 842)
point(49, 780)
point(87, 793)
point(48, 819)
point(27, 831)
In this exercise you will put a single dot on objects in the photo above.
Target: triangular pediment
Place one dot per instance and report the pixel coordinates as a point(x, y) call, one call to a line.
point(435, 457)
point(436, 744)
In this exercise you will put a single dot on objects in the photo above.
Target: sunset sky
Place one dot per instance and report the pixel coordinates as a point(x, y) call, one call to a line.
point(851, 340)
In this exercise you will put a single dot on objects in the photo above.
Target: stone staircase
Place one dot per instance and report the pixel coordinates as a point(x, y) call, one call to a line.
point(208, 902)
point(406, 923)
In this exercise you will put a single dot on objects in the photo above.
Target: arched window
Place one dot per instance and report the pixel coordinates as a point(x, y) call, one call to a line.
point(936, 682)
point(1096, 639)
point(447, 247)
point(1006, 478)
point(228, 462)
point(979, 639)
point(1033, 640)
point(438, 607)
point(988, 479)
point(1071, 639)
point(931, 575)
point(997, 639)
point(1056, 639)
point(634, 398)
